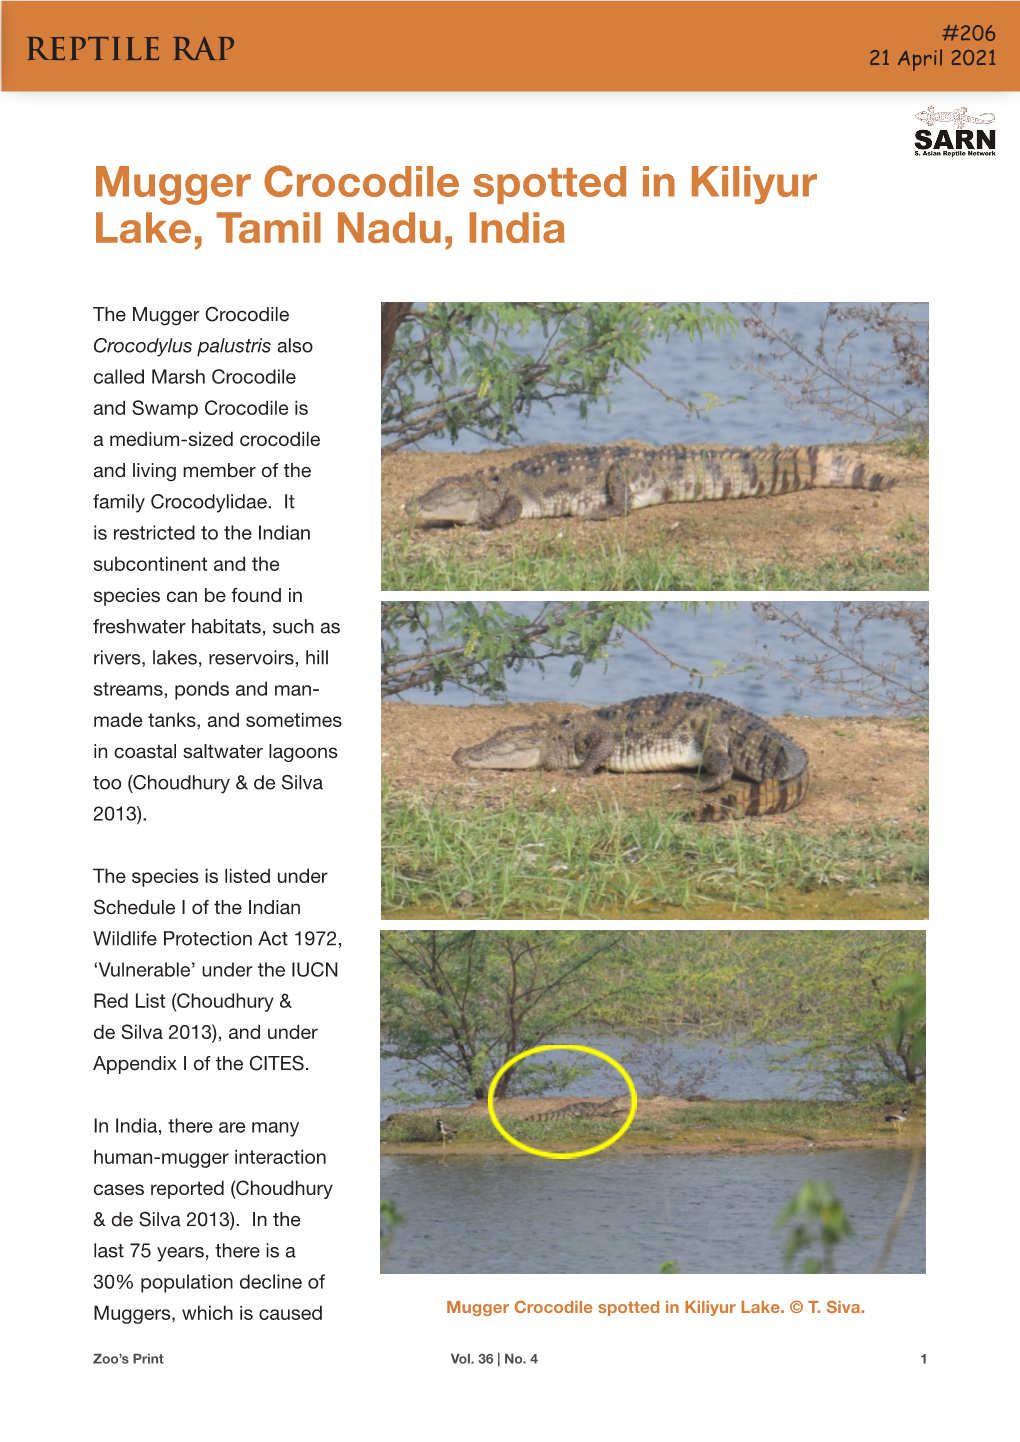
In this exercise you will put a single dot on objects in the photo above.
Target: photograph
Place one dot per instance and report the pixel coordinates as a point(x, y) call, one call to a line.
point(560, 446)
point(664, 760)
point(653, 1101)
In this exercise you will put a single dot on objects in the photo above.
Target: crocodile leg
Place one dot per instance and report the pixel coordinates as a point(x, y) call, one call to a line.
point(618, 493)
point(600, 750)
point(509, 512)
point(716, 769)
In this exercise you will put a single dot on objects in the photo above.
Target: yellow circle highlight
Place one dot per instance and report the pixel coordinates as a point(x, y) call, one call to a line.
point(561, 1156)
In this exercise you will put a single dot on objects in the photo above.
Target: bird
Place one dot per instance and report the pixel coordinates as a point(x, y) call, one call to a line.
point(897, 1115)
point(444, 1131)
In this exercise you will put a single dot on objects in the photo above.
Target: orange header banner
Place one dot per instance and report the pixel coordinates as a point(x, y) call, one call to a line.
point(509, 45)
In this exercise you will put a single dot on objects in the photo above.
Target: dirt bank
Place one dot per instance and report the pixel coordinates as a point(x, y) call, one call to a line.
point(642, 1144)
point(657, 1128)
point(801, 529)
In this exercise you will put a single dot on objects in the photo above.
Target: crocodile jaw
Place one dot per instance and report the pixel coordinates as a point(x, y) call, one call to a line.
point(518, 748)
point(449, 501)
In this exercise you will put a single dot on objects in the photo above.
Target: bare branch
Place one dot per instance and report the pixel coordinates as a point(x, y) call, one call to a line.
point(840, 664)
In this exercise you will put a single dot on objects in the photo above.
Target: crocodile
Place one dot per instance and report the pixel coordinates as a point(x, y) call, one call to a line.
point(684, 730)
point(611, 1106)
point(581, 1109)
point(599, 482)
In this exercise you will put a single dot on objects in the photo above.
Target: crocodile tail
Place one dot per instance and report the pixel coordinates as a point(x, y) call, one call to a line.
point(750, 798)
point(845, 469)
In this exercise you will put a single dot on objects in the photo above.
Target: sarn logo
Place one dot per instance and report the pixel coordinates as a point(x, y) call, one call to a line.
point(970, 134)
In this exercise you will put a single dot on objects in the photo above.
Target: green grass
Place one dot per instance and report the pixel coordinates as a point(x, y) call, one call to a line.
point(409, 1127)
point(544, 859)
point(915, 447)
point(549, 563)
point(733, 1122)
point(911, 530)
point(775, 1116)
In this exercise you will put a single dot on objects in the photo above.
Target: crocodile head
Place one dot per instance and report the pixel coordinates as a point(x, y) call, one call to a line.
point(517, 748)
point(458, 500)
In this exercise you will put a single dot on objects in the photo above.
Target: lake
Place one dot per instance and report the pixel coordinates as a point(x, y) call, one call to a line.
point(699, 639)
point(619, 1213)
point(731, 1075)
point(691, 370)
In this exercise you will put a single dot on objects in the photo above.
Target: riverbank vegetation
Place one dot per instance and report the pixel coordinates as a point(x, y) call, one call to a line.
point(545, 858)
point(452, 368)
point(843, 1013)
point(664, 555)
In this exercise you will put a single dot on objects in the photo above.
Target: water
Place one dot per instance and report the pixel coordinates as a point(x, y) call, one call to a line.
point(624, 1214)
point(699, 639)
point(689, 371)
point(734, 1075)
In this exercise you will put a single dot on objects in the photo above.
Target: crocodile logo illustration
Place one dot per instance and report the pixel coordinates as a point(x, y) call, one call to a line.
point(931, 116)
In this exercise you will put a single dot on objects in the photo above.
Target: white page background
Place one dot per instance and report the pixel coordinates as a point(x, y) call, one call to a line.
point(880, 224)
